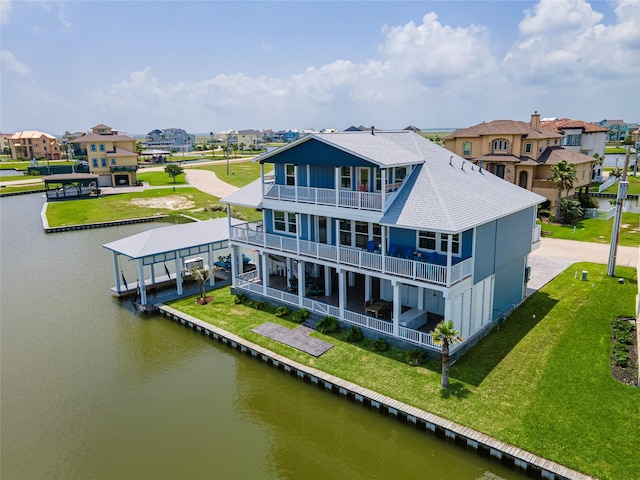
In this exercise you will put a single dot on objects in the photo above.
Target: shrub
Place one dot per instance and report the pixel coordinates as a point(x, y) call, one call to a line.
point(328, 325)
point(417, 357)
point(240, 298)
point(301, 315)
point(282, 311)
point(380, 345)
point(261, 305)
point(354, 335)
point(621, 354)
point(588, 202)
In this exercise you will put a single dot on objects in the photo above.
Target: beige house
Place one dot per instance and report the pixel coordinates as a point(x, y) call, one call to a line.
point(31, 144)
point(521, 153)
point(111, 156)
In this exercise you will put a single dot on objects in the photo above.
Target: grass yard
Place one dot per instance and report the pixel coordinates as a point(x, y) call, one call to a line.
point(542, 381)
point(634, 186)
point(240, 173)
point(160, 179)
point(597, 231)
point(161, 201)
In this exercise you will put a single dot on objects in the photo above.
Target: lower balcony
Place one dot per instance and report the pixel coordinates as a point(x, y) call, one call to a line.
point(353, 313)
point(251, 234)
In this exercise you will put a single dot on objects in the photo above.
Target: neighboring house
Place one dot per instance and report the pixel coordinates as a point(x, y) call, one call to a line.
point(172, 139)
point(5, 144)
point(31, 144)
point(580, 136)
point(69, 146)
point(248, 139)
point(111, 156)
point(521, 153)
point(617, 130)
point(388, 232)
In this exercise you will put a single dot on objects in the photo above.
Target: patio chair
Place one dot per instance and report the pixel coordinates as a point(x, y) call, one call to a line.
point(408, 252)
point(371, 246)
point(393, 250)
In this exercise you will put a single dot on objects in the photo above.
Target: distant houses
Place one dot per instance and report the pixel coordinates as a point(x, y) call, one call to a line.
point(171, 139)
point(524, 152)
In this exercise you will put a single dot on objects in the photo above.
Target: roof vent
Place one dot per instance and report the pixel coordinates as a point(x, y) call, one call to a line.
point(462, 166)
point(480, 165)
point(451, 160)
point(372, 127)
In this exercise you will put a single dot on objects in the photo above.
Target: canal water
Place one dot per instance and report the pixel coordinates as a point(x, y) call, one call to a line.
point(91, 389)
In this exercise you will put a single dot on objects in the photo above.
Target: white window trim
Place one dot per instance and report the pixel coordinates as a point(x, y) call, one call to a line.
point(287, 223)
point(440, 237)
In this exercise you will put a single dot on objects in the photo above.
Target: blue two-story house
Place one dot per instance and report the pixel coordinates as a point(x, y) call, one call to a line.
point(386, 231)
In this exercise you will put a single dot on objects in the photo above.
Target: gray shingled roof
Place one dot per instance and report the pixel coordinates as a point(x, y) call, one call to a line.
point(248, 196)
point(169, 239)
point(438, 195)
point(449, 194)
point(385, 149)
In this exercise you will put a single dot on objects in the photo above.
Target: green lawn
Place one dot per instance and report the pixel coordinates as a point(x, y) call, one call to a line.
point(240, 173)
point(161, 201)
point(634, 186)
point(541, 382)
point(597, 231)
point(159, 179)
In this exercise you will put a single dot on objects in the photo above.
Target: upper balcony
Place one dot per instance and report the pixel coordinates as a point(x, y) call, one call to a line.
point(419, 270)
point(356, 199)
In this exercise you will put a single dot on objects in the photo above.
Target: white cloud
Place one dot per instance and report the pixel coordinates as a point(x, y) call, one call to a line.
point(11, 64)
point(62, 17)
point(5, 11)
point(565, 41)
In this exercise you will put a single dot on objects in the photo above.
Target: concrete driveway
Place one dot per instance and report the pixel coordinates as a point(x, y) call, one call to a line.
point(555, 255)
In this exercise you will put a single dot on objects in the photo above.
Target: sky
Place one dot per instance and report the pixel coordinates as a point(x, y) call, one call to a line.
point(210, 66)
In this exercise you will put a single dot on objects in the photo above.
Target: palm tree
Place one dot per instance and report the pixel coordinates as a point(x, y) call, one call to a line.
point(445, 334)
point(563, 174)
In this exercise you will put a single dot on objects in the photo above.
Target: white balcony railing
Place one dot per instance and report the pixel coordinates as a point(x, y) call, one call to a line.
point(251, 234)
point(371, 201)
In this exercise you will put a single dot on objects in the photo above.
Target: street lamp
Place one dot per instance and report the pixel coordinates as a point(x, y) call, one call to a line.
point(47, 159)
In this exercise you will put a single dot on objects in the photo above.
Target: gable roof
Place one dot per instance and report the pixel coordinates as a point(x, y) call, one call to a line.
point(504, 127)
point(96, 137)
point(560, 124)
point(385, 149)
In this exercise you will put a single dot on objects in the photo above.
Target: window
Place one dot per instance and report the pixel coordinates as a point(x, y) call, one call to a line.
point(102, 147)
point(284, 221)
point(401, 173)
point(94, 161)
point(572, 140)
point(290, 174)
point(528, 147)
point(500, 145)
point(345, 177)
point(362, 234)
point(345, 232)
point(431, 241)
point(455, 243)
point(499, 171)
point(378, 180)
point(427, 240)
point(466, 149)
point(93, 147)
point(104, 162)
point(113, 161)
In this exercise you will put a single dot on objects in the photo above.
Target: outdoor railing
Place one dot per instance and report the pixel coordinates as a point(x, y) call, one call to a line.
point(250, 234)
point(371, 201)
point(350, 317)
point(537, 232)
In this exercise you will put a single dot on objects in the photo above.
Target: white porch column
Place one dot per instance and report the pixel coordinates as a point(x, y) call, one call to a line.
point(298, 228)
point(367, 287)
point(178, 273)
point(287, 271)
point(116, 270)
point(301, 283)
point(342, 292)
point(234, 265)
point(421, 291)
point(397, 307)
point(295, 181)
point(212, 278)
point(352, 279)
point(384, 187)
point(337, 182)
point(327, 280)
point(265, 272)
point(448, 260)
point(153, 273)
point(142, 283)
point(447, 305)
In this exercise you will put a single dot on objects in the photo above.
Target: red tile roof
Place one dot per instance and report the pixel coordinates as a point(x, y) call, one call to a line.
point(504, 127)
point(560, 124)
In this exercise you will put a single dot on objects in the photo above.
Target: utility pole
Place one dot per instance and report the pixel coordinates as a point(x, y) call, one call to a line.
point(623, 187)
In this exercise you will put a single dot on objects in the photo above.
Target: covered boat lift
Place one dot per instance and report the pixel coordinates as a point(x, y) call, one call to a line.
point(70, 185)
point(183, 246)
